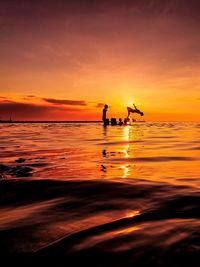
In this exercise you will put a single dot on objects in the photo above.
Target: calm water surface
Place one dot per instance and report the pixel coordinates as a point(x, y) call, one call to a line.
point(115, 196)
point(155, 151)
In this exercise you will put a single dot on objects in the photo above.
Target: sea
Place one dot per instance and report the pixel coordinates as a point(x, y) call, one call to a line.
point(80, 194)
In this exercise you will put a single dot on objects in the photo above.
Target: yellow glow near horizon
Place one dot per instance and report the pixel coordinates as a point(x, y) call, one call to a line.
point(111, 60)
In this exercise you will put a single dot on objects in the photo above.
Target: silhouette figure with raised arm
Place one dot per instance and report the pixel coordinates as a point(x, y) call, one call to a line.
point(135, 110)
point(104, 119)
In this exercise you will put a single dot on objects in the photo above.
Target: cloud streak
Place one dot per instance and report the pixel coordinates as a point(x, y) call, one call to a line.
point(99, 105)
point(110, 51)
point(65, 102)
point(19, 110)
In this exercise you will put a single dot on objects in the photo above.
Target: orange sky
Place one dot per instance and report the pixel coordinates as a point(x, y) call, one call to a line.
point(61, 59)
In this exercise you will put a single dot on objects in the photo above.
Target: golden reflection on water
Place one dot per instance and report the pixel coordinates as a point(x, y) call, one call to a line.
point(127, 230)
point(103, 236)
point(126, 133)
point(125, 151)
point(133, 214)
point(167, 152)
point(125, 169)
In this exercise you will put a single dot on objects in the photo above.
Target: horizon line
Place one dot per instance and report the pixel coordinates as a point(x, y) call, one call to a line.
point(79, 121)
point(48, 121)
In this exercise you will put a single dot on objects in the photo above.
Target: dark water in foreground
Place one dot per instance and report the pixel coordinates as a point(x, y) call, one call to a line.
point(124, 196)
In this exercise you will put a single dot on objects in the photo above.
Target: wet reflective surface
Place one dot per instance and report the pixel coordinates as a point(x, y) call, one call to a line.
point(115, 196)
point(155, 151)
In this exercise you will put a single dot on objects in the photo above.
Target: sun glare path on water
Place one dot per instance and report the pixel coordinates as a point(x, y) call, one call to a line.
point(133, 213)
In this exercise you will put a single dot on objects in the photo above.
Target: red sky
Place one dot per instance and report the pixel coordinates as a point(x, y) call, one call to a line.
point(61, 59)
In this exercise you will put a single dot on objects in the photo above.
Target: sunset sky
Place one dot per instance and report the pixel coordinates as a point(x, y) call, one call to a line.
point(61, 60)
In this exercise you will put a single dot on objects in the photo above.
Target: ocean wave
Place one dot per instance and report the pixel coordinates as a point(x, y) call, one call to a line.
point(106, 219)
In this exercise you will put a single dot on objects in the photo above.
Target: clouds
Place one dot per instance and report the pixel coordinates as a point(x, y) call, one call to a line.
point(99, 105)
point(65, 102)
point(31, 96)
point(80, 53)
point(18, 110)
point(49, 8)
point(148, 32)
point(28, 111)
point(39, 108)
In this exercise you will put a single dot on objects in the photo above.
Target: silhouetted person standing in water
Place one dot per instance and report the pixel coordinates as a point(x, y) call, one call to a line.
point(105, 121)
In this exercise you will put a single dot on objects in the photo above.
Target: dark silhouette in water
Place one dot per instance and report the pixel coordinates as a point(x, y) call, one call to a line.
point(107, 122)
point(135, 110)
point(113, 121)
point(131, 110)
point(120, 121)
point(104, 119)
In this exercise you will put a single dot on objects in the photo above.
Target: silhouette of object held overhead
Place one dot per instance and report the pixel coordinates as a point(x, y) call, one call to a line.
point(104, 119)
